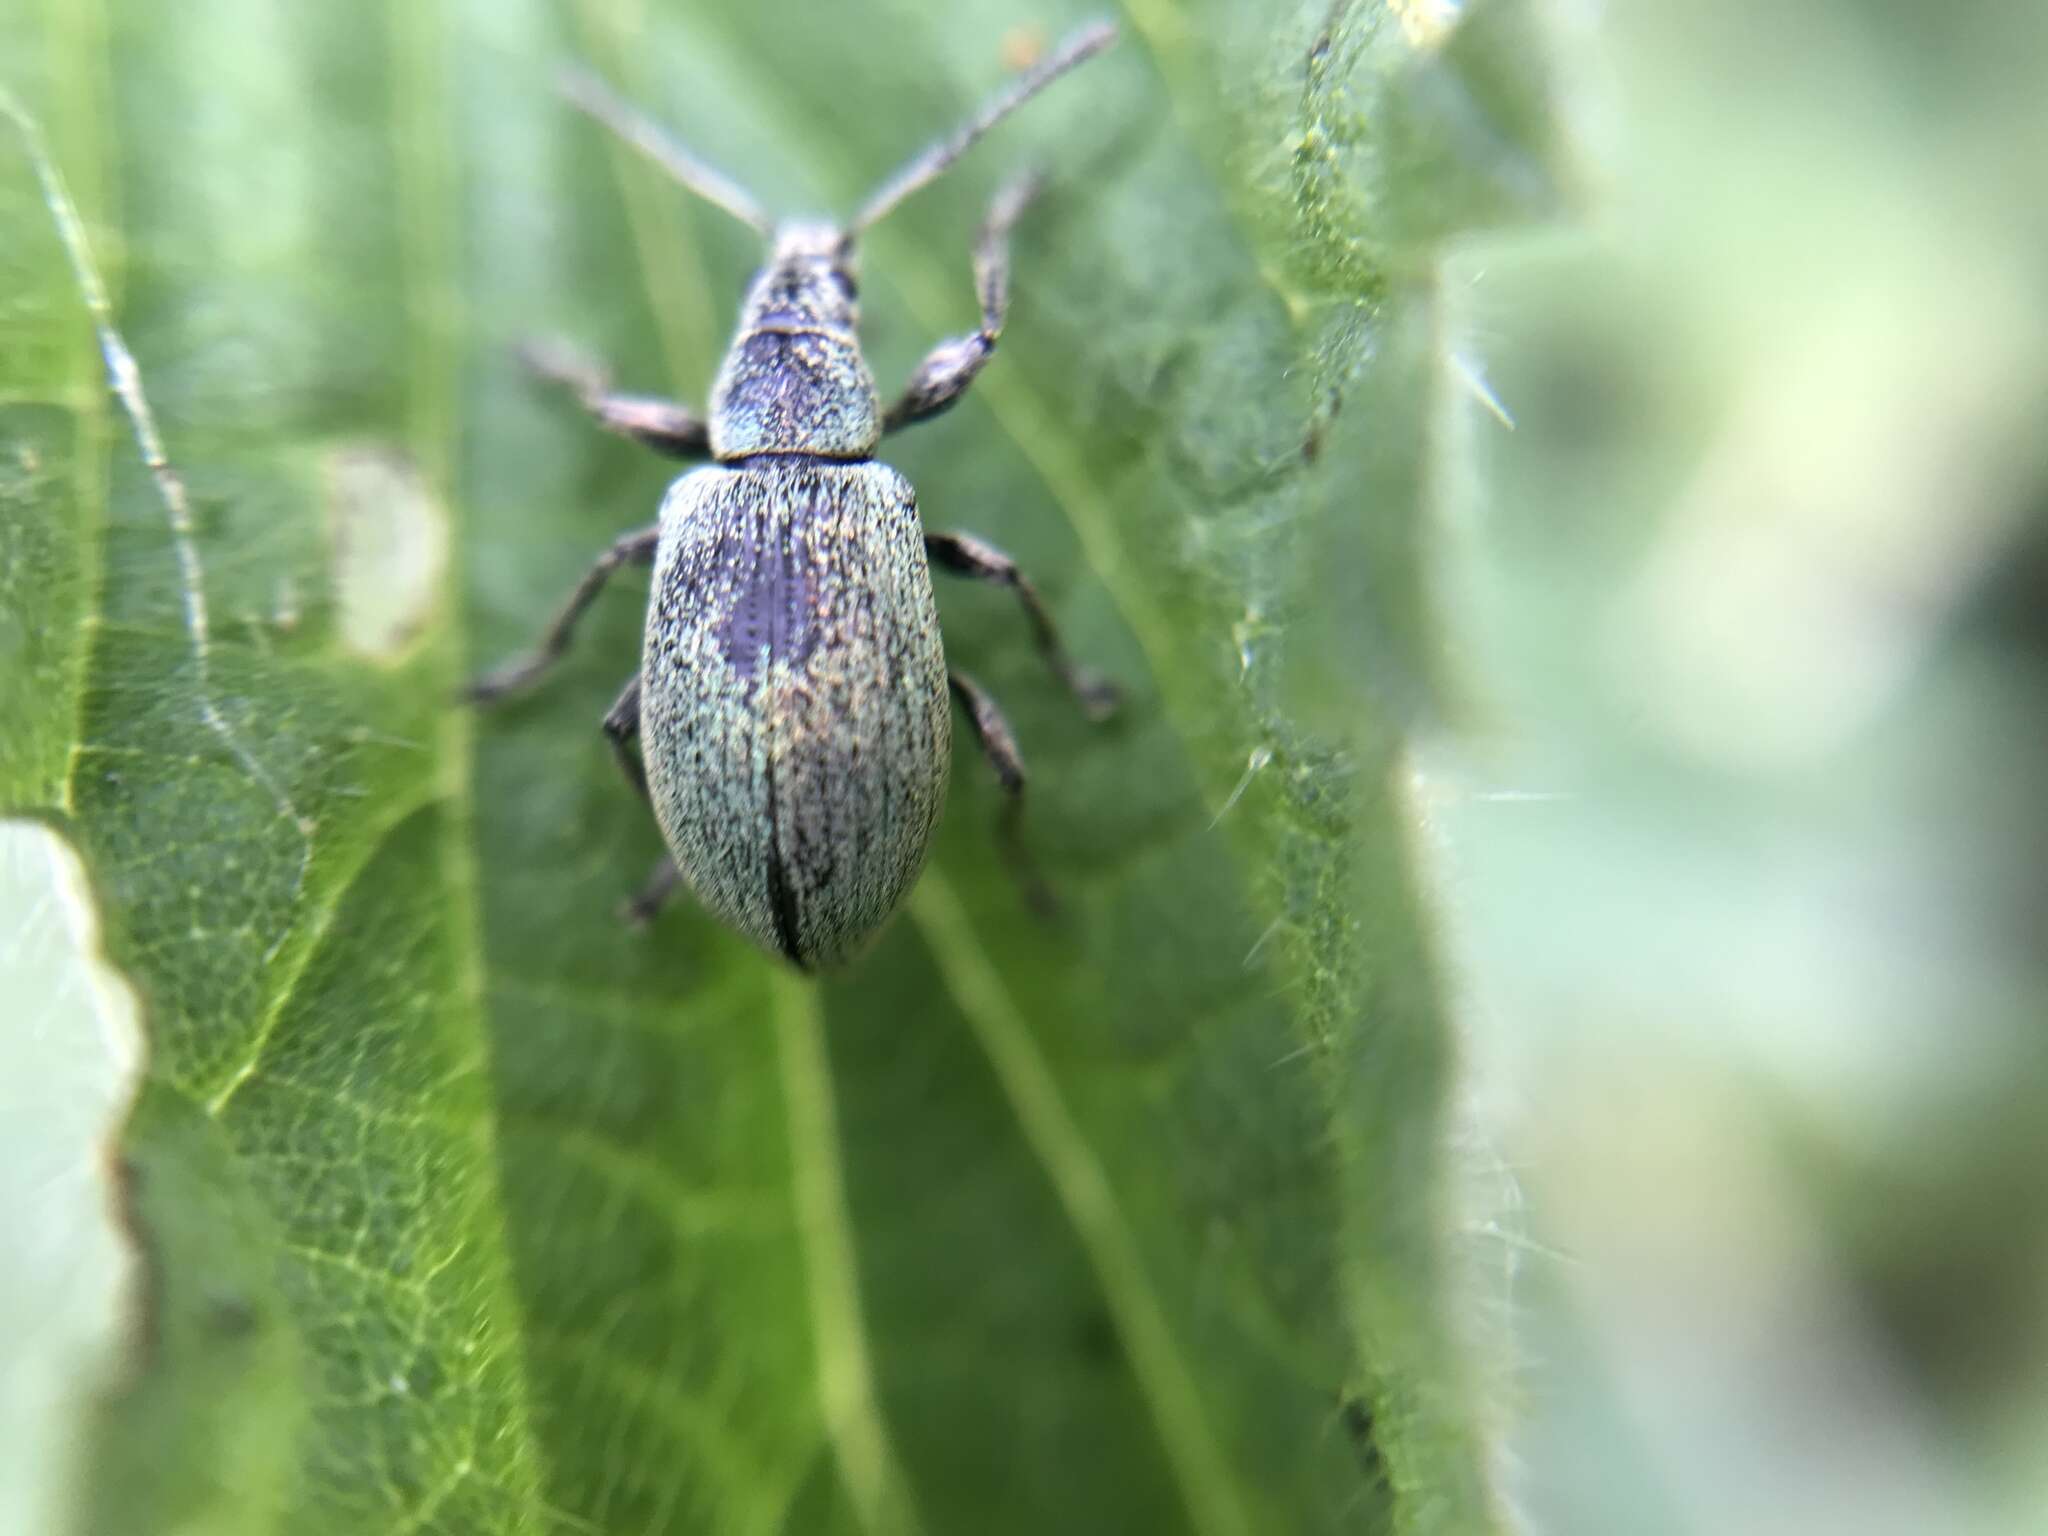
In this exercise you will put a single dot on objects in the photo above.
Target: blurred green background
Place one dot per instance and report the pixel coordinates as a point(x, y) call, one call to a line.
point(1745, 843)
point(1660, 614)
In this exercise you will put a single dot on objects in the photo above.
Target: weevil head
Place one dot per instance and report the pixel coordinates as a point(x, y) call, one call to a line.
point(795, 381)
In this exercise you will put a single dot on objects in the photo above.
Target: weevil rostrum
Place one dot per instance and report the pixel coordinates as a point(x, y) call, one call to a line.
point(790, 720)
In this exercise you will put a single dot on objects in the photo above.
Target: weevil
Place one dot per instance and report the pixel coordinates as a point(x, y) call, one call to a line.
point(790, 721)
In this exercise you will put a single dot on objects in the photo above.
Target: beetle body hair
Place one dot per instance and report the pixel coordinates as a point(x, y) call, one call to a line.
point(795, 723)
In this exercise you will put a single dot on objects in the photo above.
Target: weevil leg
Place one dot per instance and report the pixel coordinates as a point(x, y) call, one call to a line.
point(639, 909)
point(662, 425)
point(999, 746)
point(635, 548)
point(965, 555)
point(622, 730)
point(950, 367)
point(621, 727)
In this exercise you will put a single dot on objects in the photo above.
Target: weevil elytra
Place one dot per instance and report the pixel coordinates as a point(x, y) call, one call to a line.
point(790, 720)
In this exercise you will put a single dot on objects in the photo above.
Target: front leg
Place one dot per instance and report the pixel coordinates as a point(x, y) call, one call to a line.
point(635, 548)
point(950, 367)
point(662, 425)
point(965, 555)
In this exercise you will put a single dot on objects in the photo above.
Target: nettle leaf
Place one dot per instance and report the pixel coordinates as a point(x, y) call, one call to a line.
point(461, 1207)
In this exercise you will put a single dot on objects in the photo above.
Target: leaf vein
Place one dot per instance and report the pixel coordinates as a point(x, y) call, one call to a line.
point(1209, 1488)
point(846, 1388)
point(317, 932)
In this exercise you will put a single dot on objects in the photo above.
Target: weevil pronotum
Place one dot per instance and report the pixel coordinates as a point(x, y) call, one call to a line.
point(789, 722)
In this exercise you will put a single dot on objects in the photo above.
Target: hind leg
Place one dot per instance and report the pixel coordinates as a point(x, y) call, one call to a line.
point(999, 745)
point(621, 727)
point(638, 910)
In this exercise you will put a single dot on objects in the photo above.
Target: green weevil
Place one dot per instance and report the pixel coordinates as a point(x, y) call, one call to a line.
point(789, 722)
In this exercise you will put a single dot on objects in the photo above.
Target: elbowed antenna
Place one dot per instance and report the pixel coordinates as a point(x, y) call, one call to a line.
point(586, 92)
point(1079, 47)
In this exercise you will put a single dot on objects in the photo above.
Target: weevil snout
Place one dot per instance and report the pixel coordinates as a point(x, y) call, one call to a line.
point(811, 281)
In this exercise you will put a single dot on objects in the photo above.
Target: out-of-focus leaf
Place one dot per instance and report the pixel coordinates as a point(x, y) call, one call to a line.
point(466, 1209)
point(1749, 857)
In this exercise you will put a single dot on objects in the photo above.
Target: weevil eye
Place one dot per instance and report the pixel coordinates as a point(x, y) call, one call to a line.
point(848, 288)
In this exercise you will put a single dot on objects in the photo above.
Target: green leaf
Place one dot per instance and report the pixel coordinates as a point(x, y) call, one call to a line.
point(66, 1062)
point(464, 1208)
